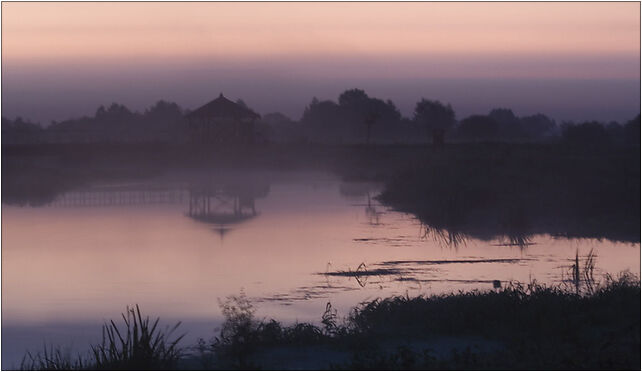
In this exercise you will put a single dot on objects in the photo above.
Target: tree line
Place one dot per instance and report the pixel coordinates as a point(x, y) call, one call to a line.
point(354, 118)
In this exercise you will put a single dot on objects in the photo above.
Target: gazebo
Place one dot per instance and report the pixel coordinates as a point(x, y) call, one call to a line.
point(221, 121)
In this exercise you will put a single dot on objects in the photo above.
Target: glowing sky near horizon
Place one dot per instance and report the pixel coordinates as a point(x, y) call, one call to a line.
point(64, 59)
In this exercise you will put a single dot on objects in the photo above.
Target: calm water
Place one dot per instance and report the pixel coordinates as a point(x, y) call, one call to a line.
point(177, 244)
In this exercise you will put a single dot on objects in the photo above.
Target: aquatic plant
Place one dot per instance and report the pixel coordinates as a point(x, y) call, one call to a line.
point(139, 345)
point(51, 359)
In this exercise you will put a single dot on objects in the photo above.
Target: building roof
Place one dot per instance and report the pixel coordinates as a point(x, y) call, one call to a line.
point(223, 108)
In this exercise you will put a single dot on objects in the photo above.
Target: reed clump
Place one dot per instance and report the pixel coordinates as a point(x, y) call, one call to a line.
point(137, 345)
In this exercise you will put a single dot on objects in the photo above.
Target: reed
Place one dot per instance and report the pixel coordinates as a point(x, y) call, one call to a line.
point(138, 345)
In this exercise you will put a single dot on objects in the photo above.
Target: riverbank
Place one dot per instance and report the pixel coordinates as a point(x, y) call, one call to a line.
point(516, 327)
point(512, 192)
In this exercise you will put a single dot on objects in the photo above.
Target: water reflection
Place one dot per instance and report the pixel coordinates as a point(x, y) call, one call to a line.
point(358, 191)
point(119, 195)
point(228, 198)
point(100, 247)
point(224, 204)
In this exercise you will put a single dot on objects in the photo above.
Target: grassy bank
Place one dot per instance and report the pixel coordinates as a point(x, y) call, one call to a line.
point(517, 327)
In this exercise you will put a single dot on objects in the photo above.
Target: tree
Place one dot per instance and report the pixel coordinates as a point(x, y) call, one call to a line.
point(590, 133)
point(347, 119)
point(538, 126)
point(478, 127)
point(508, 125)
point(355, 99)
point(323, 120)
point(278, 127)
point(435, 117)
point(632, 131)
point(372, 115)
point(357, 107)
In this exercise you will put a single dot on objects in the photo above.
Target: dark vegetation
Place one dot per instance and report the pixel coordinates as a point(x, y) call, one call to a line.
point(515, 191)
point(516, 327)
point(114, 124)
point(137, 345)
point(355, 118)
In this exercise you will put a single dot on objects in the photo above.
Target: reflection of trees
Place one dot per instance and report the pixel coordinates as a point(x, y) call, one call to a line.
point(444, 237)
point(516, 225)
point(222, 202)
point(512, 193)
point(455, 238)
point(33, 186)
point(371, 213)
point(363, 189)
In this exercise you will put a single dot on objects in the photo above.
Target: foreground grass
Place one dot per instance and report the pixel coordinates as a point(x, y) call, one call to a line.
point(518, 327)
point(138, 345)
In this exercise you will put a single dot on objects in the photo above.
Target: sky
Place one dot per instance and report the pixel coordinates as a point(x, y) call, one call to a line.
point(572, 60)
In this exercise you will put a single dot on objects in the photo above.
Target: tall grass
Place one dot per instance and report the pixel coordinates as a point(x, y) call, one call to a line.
point(51, 359)
point(137, 345)
point(140, 345)
point(581, 274)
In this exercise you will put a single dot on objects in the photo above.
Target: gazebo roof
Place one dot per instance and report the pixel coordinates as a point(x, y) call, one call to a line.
point(223, 108)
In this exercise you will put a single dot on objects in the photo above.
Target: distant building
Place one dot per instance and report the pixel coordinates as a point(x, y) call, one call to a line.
point(221, 121)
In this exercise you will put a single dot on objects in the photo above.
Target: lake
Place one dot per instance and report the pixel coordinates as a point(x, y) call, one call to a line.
point(179, 243)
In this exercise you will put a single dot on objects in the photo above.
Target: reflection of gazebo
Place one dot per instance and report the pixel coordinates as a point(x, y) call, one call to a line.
point(222, 121)
point(224, 204)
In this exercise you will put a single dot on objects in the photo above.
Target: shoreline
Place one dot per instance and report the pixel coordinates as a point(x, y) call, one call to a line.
point(521, 326)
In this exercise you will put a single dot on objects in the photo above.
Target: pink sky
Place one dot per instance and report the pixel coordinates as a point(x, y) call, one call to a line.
point(87, 47)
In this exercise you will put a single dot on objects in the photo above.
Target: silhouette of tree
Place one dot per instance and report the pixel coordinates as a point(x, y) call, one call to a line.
point(100, 112)
point(278, 127)
point(345, 121)
point(164, 109)
point(357, 107)
point(478, 127)
point(538, 126)
point(590, 133)
point(20, 131)
point(632, 131)
point(324, 121)
point(354, 99)
point(370, 119)
point(435, 117)
point(508, 125)
point(19, 125)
